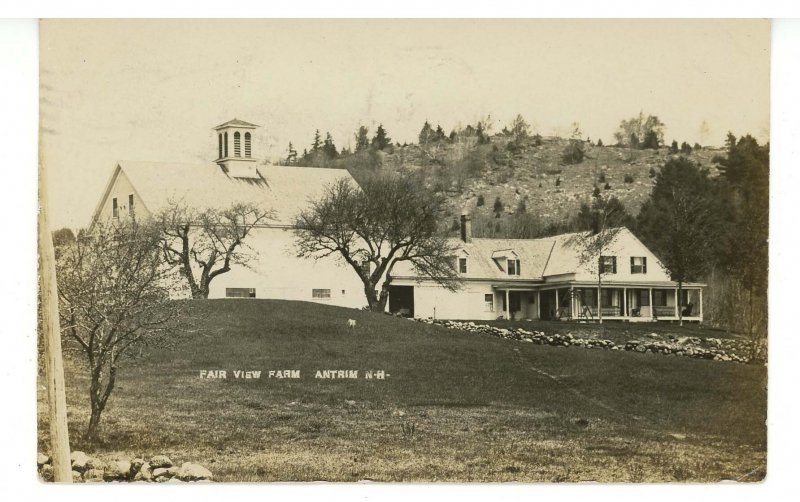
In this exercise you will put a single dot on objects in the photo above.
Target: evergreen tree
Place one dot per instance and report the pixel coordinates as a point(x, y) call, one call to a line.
point(440, 135)
point(381, 139)
point(291, 157)
point(317, 142)
point(498, 206)
point(426, 135)
point(686, 148)
point(681, 221)
point(674, 147)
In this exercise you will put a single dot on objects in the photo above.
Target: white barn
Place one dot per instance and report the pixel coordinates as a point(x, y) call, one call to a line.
point(276, 272)
point(545, 279)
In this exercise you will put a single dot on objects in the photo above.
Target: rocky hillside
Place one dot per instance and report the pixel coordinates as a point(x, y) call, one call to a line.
point(530, 173)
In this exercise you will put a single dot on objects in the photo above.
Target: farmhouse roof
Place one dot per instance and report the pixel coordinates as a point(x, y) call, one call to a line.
point(285, 190)
point(538, 258)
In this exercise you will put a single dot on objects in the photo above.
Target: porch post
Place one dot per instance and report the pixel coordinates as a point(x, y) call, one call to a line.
point(625, 302)
point(539, 302)
point(652, 308)
point(508, 308)
point(556, 290)
point(571, 302)
point(677, 302)
point(701, 304)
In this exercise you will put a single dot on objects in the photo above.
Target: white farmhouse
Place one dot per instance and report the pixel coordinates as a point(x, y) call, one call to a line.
point(144, 188)
point(546, 279)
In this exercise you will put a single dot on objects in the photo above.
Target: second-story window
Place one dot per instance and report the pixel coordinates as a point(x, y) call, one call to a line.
point(130, 203)
point(608, 264)
point(638, 264)
point(114, 208)
point(513, 267)
point(462, 265)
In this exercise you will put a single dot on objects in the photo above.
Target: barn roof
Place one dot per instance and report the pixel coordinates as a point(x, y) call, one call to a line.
point(285, 190)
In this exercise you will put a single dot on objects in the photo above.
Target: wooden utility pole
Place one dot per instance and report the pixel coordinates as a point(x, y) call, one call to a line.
point(51, 332)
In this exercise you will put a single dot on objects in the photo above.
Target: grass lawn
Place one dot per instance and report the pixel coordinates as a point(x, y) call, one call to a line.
point(456, 406)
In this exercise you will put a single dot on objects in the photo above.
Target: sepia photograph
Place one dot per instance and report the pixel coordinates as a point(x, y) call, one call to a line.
point(403, 250)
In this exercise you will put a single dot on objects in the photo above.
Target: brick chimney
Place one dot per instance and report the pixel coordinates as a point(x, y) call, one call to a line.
point(466, 228)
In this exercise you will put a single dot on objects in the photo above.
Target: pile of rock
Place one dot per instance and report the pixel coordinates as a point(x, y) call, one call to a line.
point(159, 469)
point(710, 348)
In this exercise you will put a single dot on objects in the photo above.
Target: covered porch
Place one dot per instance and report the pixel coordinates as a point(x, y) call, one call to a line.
point(632, 303)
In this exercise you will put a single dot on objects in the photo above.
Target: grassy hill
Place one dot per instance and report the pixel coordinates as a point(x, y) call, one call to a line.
point(454, 406)
point(529, 171)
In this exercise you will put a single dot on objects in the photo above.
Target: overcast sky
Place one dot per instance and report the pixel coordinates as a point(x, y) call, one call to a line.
point(152, 90)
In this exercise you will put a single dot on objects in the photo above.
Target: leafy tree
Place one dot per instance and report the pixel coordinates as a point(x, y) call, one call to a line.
point(381, 140)
point(674, 147)
point(114, 293)
point(573, 153)
point(633, 130)
point(686, 148)
point(391, 219)
point(206, 243)
point(697, 146)
point(362, 138)
point(680, 221)
point(520, 129)
point(63, 236)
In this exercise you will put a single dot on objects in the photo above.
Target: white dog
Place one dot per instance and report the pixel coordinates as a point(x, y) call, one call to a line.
point(351, 323)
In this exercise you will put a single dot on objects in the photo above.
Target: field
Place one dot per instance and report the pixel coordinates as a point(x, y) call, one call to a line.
point(454, 406)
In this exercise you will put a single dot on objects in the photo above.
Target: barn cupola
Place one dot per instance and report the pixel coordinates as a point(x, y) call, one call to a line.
point(235, 148)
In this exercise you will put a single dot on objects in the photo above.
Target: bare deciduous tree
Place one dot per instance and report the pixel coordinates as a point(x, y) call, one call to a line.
point(604, 219)
point(204, 244)
point(113, 290)
point(390, 219)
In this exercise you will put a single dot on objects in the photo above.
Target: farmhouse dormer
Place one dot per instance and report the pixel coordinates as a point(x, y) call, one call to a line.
point(507, 260)
point(235, 148)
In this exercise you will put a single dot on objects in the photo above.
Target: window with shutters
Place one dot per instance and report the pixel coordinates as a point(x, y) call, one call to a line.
point(237, 144)
point(638, 264)
point(462, 265)
point(608, 264)
point(247, 148)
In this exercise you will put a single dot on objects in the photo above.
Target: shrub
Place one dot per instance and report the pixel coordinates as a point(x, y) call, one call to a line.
point(573, 153)
point(498, 206)
point(602, 178)
point(558, 181)
point(481, 200)
point(628, 178)
point(607, 187)
point(521, 207)
point(652, 172)
point(596, 191)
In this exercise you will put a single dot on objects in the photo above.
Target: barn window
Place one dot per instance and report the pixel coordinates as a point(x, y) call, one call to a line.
point(247, 149)
point(462, 265)
point(638, 264)
point(321, 294)
point(114, 208)
point(488, 302)
point(219, 137)
point(130, 203)
point(226, 144)
point(240, 292)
